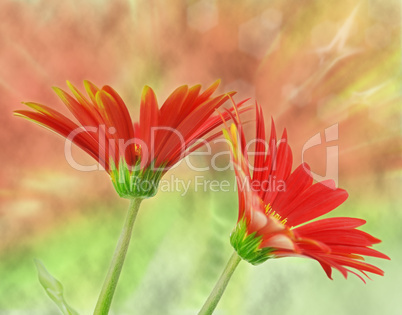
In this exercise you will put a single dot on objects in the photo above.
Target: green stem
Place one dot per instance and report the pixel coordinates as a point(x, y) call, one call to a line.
point(110, 283)
point(216, 294)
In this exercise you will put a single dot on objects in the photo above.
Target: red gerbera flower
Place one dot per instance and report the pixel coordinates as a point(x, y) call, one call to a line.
point(135, 155)
point(274, 204)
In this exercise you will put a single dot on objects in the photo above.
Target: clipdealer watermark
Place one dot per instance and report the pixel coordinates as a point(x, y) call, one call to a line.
point(200, 183)
point(217, 161)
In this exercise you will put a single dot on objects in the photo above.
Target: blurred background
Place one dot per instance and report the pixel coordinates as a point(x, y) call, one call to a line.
point(311, 65)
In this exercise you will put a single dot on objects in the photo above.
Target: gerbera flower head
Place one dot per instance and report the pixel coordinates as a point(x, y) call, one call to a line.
point(136, 155)
point(276, 205)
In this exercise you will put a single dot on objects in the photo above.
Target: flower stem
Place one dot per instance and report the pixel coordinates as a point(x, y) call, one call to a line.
point(110, 283)
point(216, 294)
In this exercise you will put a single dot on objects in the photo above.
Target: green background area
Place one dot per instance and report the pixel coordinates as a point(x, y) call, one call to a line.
point(180, 245)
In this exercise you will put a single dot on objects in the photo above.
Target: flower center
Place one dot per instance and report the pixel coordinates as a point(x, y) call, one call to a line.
point(137, 149)
point(270, 211)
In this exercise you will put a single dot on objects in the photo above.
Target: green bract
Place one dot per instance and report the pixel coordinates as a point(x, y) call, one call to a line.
point(135, 182)
point(247, 245)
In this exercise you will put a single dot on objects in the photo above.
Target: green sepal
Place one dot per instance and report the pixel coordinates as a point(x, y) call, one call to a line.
point(53, 288)
point(247, 245)
point(135, 182)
